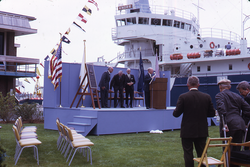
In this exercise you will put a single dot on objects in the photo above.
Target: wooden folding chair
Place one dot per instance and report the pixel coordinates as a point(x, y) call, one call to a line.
point(205, 160)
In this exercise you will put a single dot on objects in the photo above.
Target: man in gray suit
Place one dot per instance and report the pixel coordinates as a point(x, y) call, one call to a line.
point(230, 105)
point(195, 107)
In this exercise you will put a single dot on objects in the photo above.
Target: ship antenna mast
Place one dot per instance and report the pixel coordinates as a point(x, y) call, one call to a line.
point(198, 11)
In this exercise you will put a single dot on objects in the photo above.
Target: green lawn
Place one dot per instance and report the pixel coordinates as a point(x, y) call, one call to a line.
point(142, 149)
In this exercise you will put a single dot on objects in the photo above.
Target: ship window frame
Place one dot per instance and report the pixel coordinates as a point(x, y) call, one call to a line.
point(209, 68)
point(167, 22)
point(230, 67)
point(143, 19)
point(198, 68)
point(123, 20)
point(188, 27)
point(158, 23)
point(177, 23)
point(132, 22)
point(1, 43)
point(182, 25)
point(194, 30)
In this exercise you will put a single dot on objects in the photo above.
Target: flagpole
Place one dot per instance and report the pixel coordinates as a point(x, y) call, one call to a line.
point(61, 77)
point(84, 52)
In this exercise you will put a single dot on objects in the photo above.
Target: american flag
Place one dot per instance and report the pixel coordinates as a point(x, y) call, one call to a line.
point(55, 69)
point(92, 1)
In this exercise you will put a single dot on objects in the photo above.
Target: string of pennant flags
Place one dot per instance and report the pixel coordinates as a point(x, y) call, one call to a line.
point(55, 65)
point(80, 17)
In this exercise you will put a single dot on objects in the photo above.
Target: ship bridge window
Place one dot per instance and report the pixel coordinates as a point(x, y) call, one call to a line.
point(121, 22)
point(143, 20)
point(176, 24)
point(182, 25)
point(131, 20)
point(156, 22)
point(167, 22)
point(188, 27)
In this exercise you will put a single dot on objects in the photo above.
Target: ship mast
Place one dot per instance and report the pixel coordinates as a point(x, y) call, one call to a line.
point(198, 12)
point(243, 21)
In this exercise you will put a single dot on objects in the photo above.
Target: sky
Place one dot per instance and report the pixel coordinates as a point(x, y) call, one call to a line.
point(56, 16)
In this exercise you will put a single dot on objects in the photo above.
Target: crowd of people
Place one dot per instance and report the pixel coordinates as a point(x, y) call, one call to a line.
point(196, 106)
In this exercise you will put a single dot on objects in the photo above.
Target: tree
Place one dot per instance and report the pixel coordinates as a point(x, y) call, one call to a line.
point(7, 107)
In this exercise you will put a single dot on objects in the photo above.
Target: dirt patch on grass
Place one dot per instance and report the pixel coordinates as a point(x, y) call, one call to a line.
point(24, 122)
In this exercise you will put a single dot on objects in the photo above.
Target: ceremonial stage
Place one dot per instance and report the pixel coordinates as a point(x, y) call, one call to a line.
point(102, 121)
point(112, 120)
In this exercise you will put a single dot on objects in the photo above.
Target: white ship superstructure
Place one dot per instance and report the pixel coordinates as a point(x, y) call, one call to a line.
point(175, 36)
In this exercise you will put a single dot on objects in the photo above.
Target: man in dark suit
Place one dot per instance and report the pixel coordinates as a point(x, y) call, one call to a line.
point(129, 88)
point(104, 87)
point(230, 105)
point(118, 83)
point(244, 90)
point(148, 78)
point(195, 107)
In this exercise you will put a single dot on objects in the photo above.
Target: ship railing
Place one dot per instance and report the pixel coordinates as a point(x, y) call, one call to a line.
point(223, 73)
point(162, 10)
point(135, 54)
point(178, 75)
point(219, 33)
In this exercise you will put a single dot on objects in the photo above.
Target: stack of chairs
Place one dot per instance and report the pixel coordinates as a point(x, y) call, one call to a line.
point(25, 137)
point(69, 138)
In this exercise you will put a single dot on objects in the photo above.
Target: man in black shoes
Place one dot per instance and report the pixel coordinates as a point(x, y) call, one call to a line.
point(195, 107)
point(129, 87)
point(118, 83)
point(104, 87)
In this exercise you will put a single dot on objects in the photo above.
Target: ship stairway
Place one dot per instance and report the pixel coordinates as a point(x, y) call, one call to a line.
point(84, 122)
point(185, 69)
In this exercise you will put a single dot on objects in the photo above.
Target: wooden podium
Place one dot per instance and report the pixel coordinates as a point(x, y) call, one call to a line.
point(158, 90)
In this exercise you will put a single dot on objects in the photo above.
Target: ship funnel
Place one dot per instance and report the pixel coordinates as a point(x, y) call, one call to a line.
point(139, 6)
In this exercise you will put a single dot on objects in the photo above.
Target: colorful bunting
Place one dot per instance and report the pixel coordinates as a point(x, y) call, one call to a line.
point(68, 31)
point(65, 39)
point(92, 1)
point(38, 72)
point(87, 10)
point(53, 51)
point(82, 18)
point(33, 79)
point(46, 58)
point(78, 26)
point(26, 80)
point(42, 65)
